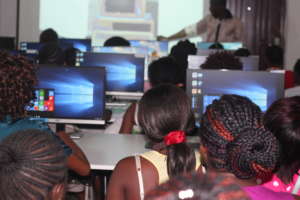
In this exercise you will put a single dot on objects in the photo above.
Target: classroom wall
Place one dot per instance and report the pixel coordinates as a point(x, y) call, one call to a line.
point(292, 33)
point(8, 16)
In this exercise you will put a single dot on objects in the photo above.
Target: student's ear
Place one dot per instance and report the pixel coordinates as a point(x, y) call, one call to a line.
point(58, 192)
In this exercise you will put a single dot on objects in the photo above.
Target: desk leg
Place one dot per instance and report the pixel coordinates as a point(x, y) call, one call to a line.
point(100, 180)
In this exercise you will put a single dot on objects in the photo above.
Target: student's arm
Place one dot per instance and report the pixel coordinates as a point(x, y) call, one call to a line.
point(77, 161)
point(128, 120)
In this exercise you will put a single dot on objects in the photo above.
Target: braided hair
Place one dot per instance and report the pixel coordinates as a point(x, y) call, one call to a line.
point(18, 78)
point(31, 163)
point(236, 140)
point(163, 109)
point(222, 60)
point(198, 187)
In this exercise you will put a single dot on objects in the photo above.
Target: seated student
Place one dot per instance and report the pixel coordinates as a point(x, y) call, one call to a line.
point(180, 52)
point(163, 70)
point(49, 36)
point(282, 119)
point(242, 52)
point(51, 54)
point(235, 143)
point(116, 41)
point(18, 78)
point(294, 91)
point(274, 57)
point(222, 60)
point(32, 166)
point(166, 117)
point(198, 187)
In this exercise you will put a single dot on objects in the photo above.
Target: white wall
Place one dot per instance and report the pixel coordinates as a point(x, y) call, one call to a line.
point(8, 16)
point(292, 40)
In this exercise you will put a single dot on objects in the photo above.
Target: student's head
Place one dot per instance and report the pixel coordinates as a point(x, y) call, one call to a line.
point(165, 70)
point(234, 139)
point(274, 55)
point(283, 120)
point(164, 115)
point(116, 42)
point(51, 54)
point(181, 51)
point(242, 52)
point(49, 35)
point(222, 60)
point(70, 56)
point(297, 72)
point(198, 187)
point(216, 45)
point(32, 166)
point(218, 8)
point(18, 78)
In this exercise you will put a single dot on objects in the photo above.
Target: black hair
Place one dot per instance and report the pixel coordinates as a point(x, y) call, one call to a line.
point(163, 109)
point(232, 131)
point(222, 60)
point(216, 45)
point(180, 52)
point(31, 163)
point(283, 120)
point(70, 56)
point(116, 42)
point(49, 35)
point(297, 72)
point(218, 2)
point(17, 82)
point(165, 70)
point(274, 55)
point(198, 187)
point(52, 54)
point(242, 52)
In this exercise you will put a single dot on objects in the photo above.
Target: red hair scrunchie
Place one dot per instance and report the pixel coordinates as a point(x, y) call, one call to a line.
point(174, 137)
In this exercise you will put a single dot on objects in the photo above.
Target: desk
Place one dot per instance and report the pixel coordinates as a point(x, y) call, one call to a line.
point(105, 150)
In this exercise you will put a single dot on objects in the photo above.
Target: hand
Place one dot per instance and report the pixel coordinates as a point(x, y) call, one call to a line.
point(160, 38)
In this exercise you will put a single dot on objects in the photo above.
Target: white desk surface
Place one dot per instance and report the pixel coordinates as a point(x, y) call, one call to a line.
point(105, 150)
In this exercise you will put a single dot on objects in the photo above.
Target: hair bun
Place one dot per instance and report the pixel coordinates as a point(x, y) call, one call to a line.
point(254, 153)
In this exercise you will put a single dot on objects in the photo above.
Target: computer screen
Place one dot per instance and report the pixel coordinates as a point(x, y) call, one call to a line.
point(30, 47)
point(125, 72)
point(128, 50)
point(81, 44)
point(124, 8)
point(226, 45)
point(152, 46)
point(70, 94)
point(203, 86)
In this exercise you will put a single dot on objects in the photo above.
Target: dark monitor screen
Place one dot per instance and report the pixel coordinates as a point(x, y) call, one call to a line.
point(203, 86)
point(81, 44)
point(70, 93)
point(125, 72)
point(7, 43)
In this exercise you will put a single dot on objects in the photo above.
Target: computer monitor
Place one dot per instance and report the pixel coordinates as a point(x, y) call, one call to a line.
point(125, 72)
point(7, 43)
point(81, 44)
point(72, 95)
point(152, 46)
point(203, 86)
point(128, 50)
point(30, 47)
point(226, 45)
point(123, 8)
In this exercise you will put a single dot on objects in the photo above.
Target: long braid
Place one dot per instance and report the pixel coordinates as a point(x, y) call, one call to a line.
point(236, 139)
point(31, 163)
